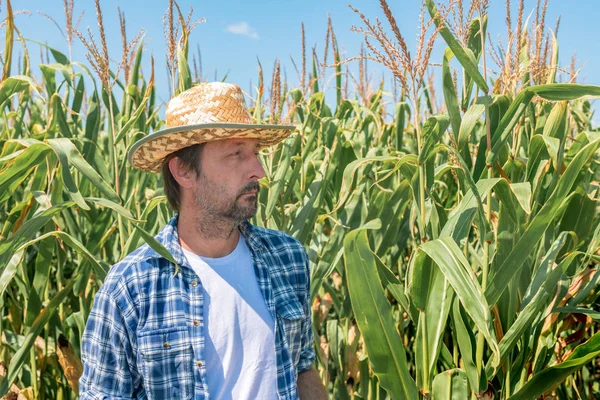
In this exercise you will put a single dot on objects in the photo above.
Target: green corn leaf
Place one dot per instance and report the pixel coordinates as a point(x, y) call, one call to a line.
point(43, 262)
point(279, 180)
point(531, 311)
point(501, 276)
point(433, 129)
point(155, 245)
point(374, 317)
point(508, 122)
point(74, 244)
point(27, 231)
point(450, 94)
point(132, 120)
point(10, 270)
point(466, 60)
point(459, 222)
point(553, 92)
point(185, 75)
point(565, 91)
point(315, 74)
point(22, 354)
point(552, 376)
point(595, 315)
point(135, 70)
point(304, 221)
point(338, 73)
point(21, 166)
point(58, 56)
point(68, 154)
point(8, 42)
point(391, 283)
point(553, 60)
point(450, 385)
point(455, 267)
point(435, 316)
point(119, 209)
point(420, 277)
point(78, 99)
point(13, 85)
point(352, 168)
point(470, 120)
point(465, 339)
point(63, 152)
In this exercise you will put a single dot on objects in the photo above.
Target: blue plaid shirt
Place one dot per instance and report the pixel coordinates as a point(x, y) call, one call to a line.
point(145, 335)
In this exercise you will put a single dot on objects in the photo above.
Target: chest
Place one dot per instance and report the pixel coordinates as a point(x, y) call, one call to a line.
point(175, 322)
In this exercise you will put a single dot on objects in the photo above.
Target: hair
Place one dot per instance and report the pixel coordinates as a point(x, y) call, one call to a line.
point(190, 158)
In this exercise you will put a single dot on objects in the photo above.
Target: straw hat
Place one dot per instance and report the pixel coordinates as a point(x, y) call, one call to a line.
point(206, 112)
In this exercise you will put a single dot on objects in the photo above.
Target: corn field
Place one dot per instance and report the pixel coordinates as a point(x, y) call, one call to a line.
point(454, 239)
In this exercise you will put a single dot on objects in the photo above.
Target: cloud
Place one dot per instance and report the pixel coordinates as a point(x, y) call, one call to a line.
point(243, 29)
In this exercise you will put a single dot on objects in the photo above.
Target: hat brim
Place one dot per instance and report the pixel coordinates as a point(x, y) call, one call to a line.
point(148, 153)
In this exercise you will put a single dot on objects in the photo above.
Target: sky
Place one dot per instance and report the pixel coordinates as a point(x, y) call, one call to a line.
point(236, 33)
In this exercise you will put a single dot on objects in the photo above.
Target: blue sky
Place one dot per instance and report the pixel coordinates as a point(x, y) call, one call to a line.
point(236, 32)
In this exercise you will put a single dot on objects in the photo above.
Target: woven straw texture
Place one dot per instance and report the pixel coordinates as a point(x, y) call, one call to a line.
point(207, 103)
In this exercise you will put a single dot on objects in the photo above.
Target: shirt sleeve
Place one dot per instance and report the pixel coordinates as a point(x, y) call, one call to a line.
point(109, 366)
point(307, 354)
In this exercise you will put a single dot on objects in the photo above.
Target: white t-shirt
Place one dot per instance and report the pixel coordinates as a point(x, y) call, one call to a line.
point(239, 345)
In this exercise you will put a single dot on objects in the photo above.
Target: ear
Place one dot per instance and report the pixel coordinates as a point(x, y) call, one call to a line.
point(182, 175)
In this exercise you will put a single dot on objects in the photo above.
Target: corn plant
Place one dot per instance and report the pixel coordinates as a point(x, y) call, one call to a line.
point(454, 250)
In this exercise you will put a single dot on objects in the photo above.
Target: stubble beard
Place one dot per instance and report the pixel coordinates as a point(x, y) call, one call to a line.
point(219, 214)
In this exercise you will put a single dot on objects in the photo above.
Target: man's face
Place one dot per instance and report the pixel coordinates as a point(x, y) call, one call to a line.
point(227, 186)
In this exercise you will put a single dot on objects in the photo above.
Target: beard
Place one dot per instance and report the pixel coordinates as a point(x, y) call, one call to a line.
point(219, 208)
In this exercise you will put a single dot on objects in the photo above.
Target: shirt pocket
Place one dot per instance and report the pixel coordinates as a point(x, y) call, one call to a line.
point(167, 360)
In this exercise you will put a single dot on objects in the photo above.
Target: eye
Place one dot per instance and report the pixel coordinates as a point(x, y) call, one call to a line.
point(237, 153)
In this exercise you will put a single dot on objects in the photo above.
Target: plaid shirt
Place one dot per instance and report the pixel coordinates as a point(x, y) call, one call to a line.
point(145, 335)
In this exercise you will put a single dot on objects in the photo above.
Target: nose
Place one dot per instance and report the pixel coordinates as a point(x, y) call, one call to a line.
point(257, 169)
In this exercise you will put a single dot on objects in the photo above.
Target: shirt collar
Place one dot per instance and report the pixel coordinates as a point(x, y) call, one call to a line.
point(169, 238)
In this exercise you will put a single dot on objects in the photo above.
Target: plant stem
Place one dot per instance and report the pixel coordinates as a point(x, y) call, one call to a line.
point(423, 231)
point(114, 145)
point(59, 285)
point(421, 166)
point(506, 393)
point(33, 367)
point(488, 211)
point(486, 263)
point(455, 349)
point(116, 166)
point(426, 372)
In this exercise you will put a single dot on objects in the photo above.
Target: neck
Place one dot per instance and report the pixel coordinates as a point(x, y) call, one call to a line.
point(207, 235)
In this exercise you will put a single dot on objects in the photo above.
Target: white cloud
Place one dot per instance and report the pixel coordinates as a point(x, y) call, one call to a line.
point(243, 29)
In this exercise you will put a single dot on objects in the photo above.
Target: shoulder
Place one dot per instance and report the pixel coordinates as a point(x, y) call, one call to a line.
point(126, 278)
point(281, 243)
point(287, 259)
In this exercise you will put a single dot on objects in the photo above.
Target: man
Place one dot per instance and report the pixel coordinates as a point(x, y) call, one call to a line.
point(230, 319)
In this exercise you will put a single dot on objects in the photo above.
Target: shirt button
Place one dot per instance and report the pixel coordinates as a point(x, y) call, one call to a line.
point(199, 363)
point(196, 322)
point(194, 283)
point(166, 345)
